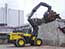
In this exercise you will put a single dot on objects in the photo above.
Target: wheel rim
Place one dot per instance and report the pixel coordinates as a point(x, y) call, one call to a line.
point(38, 42)
point(21, 42)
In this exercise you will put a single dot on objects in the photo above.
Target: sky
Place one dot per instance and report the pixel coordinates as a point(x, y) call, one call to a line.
point(28, 5)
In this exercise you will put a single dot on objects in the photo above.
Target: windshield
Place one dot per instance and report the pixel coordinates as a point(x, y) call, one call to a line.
point(23, 31)
point(27, 30)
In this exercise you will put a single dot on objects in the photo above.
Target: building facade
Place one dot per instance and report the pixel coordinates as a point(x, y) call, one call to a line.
point(11, 17)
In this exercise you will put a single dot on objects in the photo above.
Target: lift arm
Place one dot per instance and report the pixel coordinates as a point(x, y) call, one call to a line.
point(40, 4)
point(36, 22)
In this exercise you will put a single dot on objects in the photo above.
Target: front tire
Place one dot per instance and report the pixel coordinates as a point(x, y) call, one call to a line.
point(38, 42)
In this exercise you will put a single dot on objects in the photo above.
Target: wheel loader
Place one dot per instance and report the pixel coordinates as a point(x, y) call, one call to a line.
point(25, 36)
point(20, 38)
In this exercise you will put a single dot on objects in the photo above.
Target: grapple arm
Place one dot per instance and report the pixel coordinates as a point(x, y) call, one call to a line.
point(40, 4)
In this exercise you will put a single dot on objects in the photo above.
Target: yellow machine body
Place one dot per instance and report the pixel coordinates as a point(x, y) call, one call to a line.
point(22, 38)
point(18, 35)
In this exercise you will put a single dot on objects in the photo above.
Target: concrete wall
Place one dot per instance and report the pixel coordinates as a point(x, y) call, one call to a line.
point(6, 29)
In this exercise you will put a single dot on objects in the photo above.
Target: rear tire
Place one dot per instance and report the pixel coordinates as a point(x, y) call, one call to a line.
point(20, 43)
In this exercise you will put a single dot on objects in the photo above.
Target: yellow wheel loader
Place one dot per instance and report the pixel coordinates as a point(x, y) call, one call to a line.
point(20, 38)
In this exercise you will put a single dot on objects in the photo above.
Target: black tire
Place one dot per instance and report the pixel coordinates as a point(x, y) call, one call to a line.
point(38, 42)
point(18, 44)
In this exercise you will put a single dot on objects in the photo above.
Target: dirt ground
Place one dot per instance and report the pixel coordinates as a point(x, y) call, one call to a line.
point(10, 46)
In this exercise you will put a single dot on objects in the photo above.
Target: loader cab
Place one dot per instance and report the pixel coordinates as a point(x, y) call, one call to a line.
point(26, 31)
